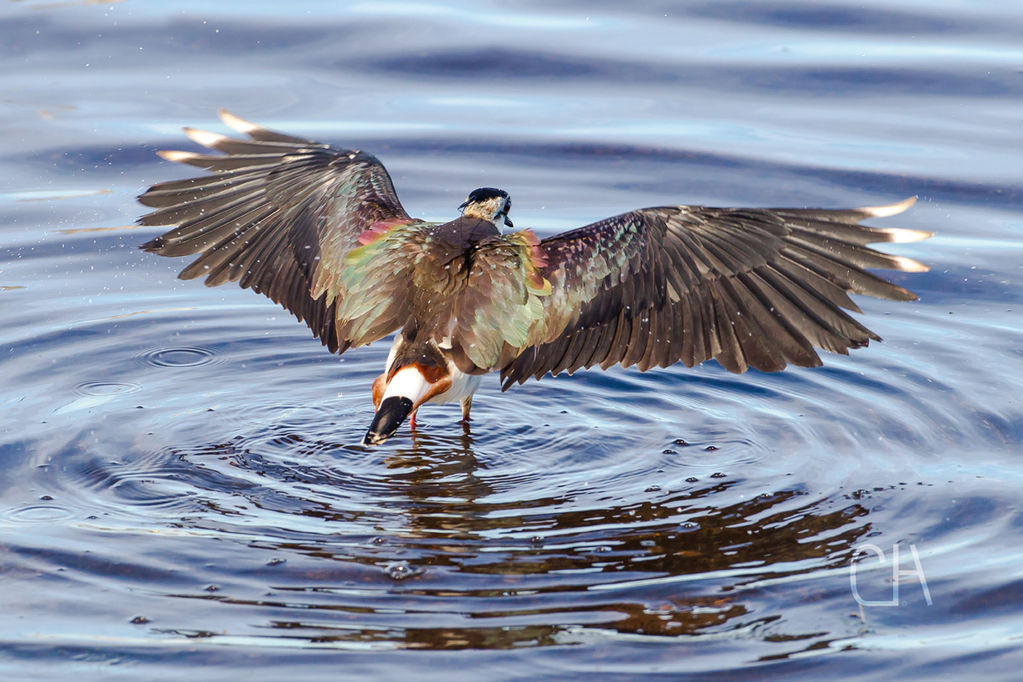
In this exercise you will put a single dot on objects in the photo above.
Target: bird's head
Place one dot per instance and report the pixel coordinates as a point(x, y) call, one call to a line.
point(399, 393)
point(488, 203)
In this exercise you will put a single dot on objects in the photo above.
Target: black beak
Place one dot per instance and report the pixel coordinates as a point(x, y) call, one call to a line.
point(507, 221)
point(393, 411)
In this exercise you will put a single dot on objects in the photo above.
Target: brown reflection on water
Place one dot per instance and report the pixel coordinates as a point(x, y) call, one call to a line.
point(460, 563)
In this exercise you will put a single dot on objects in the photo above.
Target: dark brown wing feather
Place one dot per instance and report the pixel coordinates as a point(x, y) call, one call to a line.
point(275, 210)
point(754, 288)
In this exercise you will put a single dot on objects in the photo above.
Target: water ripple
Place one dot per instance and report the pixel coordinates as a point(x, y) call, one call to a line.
point(105, 388)
point(178, 357)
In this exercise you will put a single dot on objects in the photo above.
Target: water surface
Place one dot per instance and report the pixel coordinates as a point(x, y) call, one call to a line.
point(183, 492)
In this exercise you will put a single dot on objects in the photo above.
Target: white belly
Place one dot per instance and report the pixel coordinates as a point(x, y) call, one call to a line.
point(462, 386)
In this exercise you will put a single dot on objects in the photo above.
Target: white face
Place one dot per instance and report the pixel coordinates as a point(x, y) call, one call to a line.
point(495, 209)
point(488, 209)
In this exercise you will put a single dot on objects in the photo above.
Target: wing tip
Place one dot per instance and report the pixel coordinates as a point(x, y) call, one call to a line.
point(153, 245)
point(909, 265)
point(176, 156)
point(901, 235)
point(237, 122)
point(205, 138)
point(896, 235)
point(886, 210)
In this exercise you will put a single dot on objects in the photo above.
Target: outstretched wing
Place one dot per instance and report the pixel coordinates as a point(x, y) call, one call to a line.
point(748, 287)
point(279, 214)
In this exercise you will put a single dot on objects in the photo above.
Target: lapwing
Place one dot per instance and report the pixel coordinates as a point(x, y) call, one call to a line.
point(320, 230)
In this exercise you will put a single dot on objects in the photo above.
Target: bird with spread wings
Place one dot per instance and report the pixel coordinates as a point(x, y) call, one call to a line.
point(320, 230)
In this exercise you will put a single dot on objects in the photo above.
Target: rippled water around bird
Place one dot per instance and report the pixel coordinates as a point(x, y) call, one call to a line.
point(183, 493)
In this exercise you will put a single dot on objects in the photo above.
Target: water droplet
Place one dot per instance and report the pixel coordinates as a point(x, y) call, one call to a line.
point(718, 474)
point(652, 489)
point(711, 448)
point(402, 570)
point(692, 479)
point(679, 442)
point(276, 561)
point(139, 620)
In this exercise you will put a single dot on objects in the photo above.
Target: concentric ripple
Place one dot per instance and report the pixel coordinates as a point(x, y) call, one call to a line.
point(232, 501)
point(676, 503)
point(105, 388)
point(178, 357)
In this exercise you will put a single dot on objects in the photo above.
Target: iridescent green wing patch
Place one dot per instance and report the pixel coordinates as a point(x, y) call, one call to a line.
point(501, 308)
point(373, 286)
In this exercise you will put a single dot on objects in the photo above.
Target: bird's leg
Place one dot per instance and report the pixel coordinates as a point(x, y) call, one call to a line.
point(412, 421)
point(466, 405)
